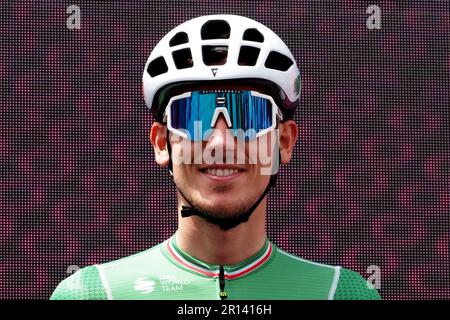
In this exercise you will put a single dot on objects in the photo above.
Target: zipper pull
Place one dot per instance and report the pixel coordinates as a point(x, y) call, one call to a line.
point(223, 294)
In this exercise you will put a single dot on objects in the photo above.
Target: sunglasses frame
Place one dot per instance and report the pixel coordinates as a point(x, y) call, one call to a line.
point(276, 114)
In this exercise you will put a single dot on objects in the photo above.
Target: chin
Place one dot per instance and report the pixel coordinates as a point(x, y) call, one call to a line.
point(222, 198)
point(220, 207)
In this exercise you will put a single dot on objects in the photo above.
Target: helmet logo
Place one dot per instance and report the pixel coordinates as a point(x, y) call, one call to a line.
point(297, 85)
point(214, 71)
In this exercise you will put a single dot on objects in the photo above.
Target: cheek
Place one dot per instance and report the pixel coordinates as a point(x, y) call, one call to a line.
point(254, 179)
point(263, 152)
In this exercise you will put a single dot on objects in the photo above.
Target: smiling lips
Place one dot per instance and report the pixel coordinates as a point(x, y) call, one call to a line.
point(222, 172)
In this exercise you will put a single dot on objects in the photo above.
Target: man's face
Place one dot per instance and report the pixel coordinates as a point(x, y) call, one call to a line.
point(222, 176)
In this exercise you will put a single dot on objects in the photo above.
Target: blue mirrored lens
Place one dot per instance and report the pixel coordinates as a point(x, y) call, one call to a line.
point(193, 114)
point(248, 114)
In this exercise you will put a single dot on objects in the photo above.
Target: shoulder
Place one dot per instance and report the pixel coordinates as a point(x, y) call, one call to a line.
point(92, 282)
point(85, 284)
point(352, 286)
point(318, 279)
point(133, 262)
point(340, 283)
point(292, 261)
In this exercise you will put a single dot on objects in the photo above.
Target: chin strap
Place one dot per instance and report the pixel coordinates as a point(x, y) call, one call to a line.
point(223, 223)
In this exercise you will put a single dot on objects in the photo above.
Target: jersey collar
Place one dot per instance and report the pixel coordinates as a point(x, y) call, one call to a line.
point(190, 263)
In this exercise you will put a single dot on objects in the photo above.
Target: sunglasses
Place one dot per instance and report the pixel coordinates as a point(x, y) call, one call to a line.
point(249, 114)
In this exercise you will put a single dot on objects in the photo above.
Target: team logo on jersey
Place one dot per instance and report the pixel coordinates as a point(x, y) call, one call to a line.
point(167, 283)
point(144, 286)
point(171, 283)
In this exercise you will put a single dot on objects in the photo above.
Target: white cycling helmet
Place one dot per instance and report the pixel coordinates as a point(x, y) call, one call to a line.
point(211, 51)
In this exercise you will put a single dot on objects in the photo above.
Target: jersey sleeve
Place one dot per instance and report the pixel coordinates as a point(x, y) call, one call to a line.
point(352, 286)
point(85, 284)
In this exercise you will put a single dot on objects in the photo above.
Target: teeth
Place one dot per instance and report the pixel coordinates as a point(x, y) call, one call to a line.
point(221, 172)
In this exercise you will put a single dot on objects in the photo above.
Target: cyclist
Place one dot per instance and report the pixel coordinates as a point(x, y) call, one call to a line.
point(215, 83)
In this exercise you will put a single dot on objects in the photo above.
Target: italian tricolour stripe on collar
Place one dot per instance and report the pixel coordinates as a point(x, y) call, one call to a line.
point(186, 263)
point(252, 266)
point(228, 275)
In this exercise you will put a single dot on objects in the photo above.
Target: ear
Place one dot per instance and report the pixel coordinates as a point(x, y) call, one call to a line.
point(288, 131)
point(158, 138)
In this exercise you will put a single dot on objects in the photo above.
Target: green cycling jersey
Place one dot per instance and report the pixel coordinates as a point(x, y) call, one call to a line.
point(165, 272)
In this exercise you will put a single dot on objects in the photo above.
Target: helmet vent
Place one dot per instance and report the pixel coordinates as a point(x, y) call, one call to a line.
point(248, 56)
point(215, 29)
point(179, 38)
point(253, 35)
point(157, 67)
point(183, 58)
point(214, 55)
point(278, 61)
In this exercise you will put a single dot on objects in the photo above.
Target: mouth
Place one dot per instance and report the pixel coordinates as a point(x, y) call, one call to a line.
point(222, 173)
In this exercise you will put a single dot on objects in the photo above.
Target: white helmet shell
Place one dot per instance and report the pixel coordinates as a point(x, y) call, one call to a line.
point(192, 51)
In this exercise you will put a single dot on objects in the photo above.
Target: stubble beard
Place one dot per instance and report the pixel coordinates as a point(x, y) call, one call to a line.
point(233, 208)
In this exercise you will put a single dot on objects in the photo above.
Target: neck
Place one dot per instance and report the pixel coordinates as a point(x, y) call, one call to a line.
point(209, 243)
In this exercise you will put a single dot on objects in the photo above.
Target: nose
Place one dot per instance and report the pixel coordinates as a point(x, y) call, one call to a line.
point(221, 135)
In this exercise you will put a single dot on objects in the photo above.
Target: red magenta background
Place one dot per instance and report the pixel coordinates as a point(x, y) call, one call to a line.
point(369, 183)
